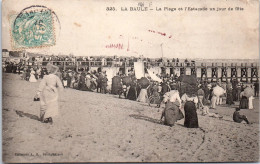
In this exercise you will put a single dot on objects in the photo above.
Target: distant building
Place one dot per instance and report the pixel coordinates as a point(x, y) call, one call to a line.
point(5, 53)
point(15, 54)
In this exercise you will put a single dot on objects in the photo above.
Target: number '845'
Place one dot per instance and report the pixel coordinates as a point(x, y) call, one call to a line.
point(110, 8)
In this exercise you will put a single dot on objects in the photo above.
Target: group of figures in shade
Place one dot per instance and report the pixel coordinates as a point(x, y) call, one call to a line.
point(193, 101)
point(184, 92)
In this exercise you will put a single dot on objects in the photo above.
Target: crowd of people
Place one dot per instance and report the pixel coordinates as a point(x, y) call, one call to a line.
point(175, 92)
point(98, 61)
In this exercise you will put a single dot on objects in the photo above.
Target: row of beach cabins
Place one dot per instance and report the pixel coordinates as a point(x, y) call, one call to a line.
point(245, 72)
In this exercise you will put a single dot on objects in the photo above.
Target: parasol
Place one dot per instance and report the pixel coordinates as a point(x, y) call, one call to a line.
point(115, 84)
point(126, 80)
point(144, 82)
point(248, 92)
point(190, 79)
point(218, 91)
point(188, 85)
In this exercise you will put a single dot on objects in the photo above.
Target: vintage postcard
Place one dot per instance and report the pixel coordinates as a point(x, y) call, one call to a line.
point(130, 81)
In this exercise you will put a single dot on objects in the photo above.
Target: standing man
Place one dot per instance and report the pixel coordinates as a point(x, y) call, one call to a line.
point(104, 84)
point(256, 88)
point(239, 89)
point(229, 100)
point(165, 87)
point(99, 82)
point(206, 90)
point(200, 96)
point(69, 77)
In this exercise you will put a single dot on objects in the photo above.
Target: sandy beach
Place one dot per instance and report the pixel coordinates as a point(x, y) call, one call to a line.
point(94, 127)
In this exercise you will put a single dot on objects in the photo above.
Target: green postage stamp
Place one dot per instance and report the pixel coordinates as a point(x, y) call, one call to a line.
point(33, 28)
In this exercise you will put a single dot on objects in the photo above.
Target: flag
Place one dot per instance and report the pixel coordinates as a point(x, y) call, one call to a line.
point(153, 76)
point(139, 70)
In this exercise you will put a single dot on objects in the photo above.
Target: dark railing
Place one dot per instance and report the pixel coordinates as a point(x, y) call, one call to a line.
point(146, 63)
point(224, 71)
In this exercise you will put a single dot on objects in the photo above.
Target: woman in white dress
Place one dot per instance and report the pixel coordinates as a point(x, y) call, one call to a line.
point(38, 72)
point(143, 96)
point(172, 112)
point(250, 102)
point(48, 93)
point(32, 78)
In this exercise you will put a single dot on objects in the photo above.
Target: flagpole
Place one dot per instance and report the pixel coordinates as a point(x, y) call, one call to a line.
point(128, 45)
point(162, 50)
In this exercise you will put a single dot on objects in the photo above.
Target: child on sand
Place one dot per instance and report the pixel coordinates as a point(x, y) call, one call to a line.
point(239, 118)
point(205, 112)
point(122, 90)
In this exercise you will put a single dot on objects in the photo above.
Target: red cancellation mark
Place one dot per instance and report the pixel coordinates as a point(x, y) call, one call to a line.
point(160, 33)
point(115, 46)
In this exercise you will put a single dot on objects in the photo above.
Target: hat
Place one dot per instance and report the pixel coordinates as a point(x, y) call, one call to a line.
point(52, 68)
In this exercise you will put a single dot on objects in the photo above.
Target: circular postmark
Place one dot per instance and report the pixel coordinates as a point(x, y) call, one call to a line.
point(34, 27)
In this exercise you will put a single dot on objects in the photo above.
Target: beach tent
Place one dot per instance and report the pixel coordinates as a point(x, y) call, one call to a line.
point(115, 84)
point(110, 72)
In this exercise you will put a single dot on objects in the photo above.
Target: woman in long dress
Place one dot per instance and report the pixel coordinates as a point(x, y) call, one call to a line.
point(229, 100)
point(48, 93)
point(243, 101)
point(32, 76)
point(82, 84)
point(250, 102)
point(172, 112)
point(69, 76)
point(132, 91)
point(191, 117)
point(143, 96)
point(138, 89)
point(24, 74)
point(155, 97)
point(64, 79)
point(38, 72)
point(88, 81)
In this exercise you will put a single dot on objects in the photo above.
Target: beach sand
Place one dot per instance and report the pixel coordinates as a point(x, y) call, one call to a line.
point(94, 127)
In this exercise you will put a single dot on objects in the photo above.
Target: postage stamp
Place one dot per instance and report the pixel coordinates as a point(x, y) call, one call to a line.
point(33, 28)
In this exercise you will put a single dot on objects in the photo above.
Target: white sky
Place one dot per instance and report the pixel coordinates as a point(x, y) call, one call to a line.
point(86, 28)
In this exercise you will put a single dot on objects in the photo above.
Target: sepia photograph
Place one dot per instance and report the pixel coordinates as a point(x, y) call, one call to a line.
point(130, 81)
